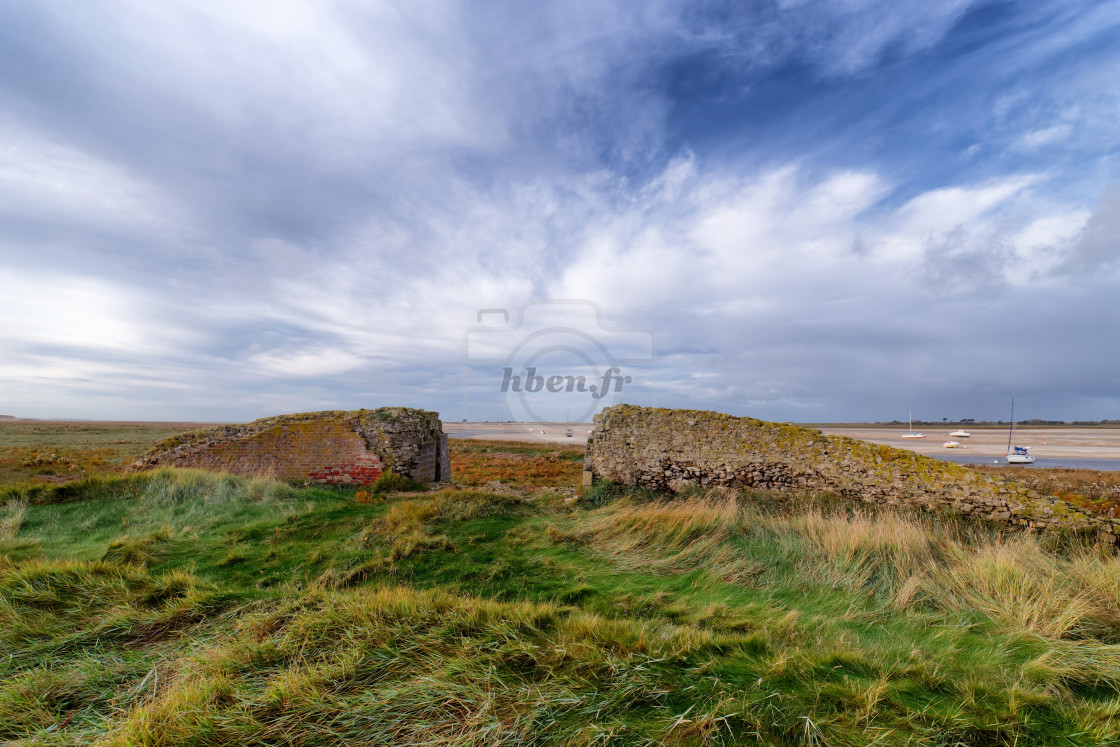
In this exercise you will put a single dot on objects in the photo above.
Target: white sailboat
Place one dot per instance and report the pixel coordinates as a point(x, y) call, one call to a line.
point(1016, 454)
point(912, 433)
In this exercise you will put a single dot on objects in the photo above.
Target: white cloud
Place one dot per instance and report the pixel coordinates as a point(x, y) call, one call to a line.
point(51, 308)
point(312, 76)
point(57, 184)
point(1043, 245)
point(941, 209)
point(1047, 136)
point(315, 362)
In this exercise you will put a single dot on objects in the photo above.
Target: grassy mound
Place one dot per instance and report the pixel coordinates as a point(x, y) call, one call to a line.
point(179, 608)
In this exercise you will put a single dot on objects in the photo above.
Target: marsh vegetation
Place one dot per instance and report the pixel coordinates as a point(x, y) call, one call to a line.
point(180, 607)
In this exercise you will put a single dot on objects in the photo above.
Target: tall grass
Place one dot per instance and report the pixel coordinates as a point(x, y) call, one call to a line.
point(912, 562)
point(675, 536)
point(12, 512)
point(177, 501)
point(203, 488)
point(1018, 584)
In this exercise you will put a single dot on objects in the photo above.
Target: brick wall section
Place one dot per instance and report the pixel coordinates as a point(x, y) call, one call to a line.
point(331, 447)
point(672, 449)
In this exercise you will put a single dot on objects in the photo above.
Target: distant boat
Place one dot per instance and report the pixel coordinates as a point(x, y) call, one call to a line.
point(1016, 454)
point(951, 444)
point(958, 433)
point(912, 433)
point(567, 427)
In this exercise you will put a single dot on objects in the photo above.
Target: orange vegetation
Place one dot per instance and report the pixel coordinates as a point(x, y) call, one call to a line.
point(1089, 489)
point(514, 463)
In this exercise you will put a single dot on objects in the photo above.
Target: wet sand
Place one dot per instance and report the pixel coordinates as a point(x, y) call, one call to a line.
point(1053, 443)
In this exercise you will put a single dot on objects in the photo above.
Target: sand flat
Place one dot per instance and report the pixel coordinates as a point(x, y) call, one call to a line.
point(1070, 442)
point(991, 441)
point(531, 432)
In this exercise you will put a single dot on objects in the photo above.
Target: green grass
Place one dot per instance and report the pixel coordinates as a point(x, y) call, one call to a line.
point(181, 607)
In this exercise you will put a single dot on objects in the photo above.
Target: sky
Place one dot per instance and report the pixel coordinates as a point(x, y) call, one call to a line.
point(797, 210)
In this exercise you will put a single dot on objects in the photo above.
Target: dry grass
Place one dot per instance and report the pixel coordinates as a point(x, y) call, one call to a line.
point(675, 536)
point(12, 512)
point(1011, 579)
point(1018, 584)
point(914, 562)
point(861, 549)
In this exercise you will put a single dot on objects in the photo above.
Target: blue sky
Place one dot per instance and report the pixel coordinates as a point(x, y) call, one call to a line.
point(814, 211)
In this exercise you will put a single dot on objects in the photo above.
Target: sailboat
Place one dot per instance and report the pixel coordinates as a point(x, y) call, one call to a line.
point(567, 423)
point(1016, 454)
point(912, 433)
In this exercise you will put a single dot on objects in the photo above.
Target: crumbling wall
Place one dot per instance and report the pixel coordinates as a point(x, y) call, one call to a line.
point(672, 449)
point(330, 447)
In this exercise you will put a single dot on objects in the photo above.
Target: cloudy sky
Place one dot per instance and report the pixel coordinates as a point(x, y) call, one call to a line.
point(812, 209)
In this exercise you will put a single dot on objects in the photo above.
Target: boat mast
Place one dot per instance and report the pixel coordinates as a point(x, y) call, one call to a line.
point(1011, 430)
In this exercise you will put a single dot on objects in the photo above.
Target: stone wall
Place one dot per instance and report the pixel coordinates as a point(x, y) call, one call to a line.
point(673, 449)
point(330, 447)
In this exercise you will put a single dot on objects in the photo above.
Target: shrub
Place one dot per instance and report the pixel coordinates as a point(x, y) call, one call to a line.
point(391, 482)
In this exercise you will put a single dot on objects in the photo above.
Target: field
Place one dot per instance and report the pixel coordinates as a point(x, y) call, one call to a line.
point(49, 452)
point(181, 607)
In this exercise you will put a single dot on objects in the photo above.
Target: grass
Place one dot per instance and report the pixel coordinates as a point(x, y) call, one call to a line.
point(44, 452)
point(182, 607)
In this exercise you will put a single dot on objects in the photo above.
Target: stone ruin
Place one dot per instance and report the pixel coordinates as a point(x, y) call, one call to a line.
point(332, 447)
point(670, 450)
